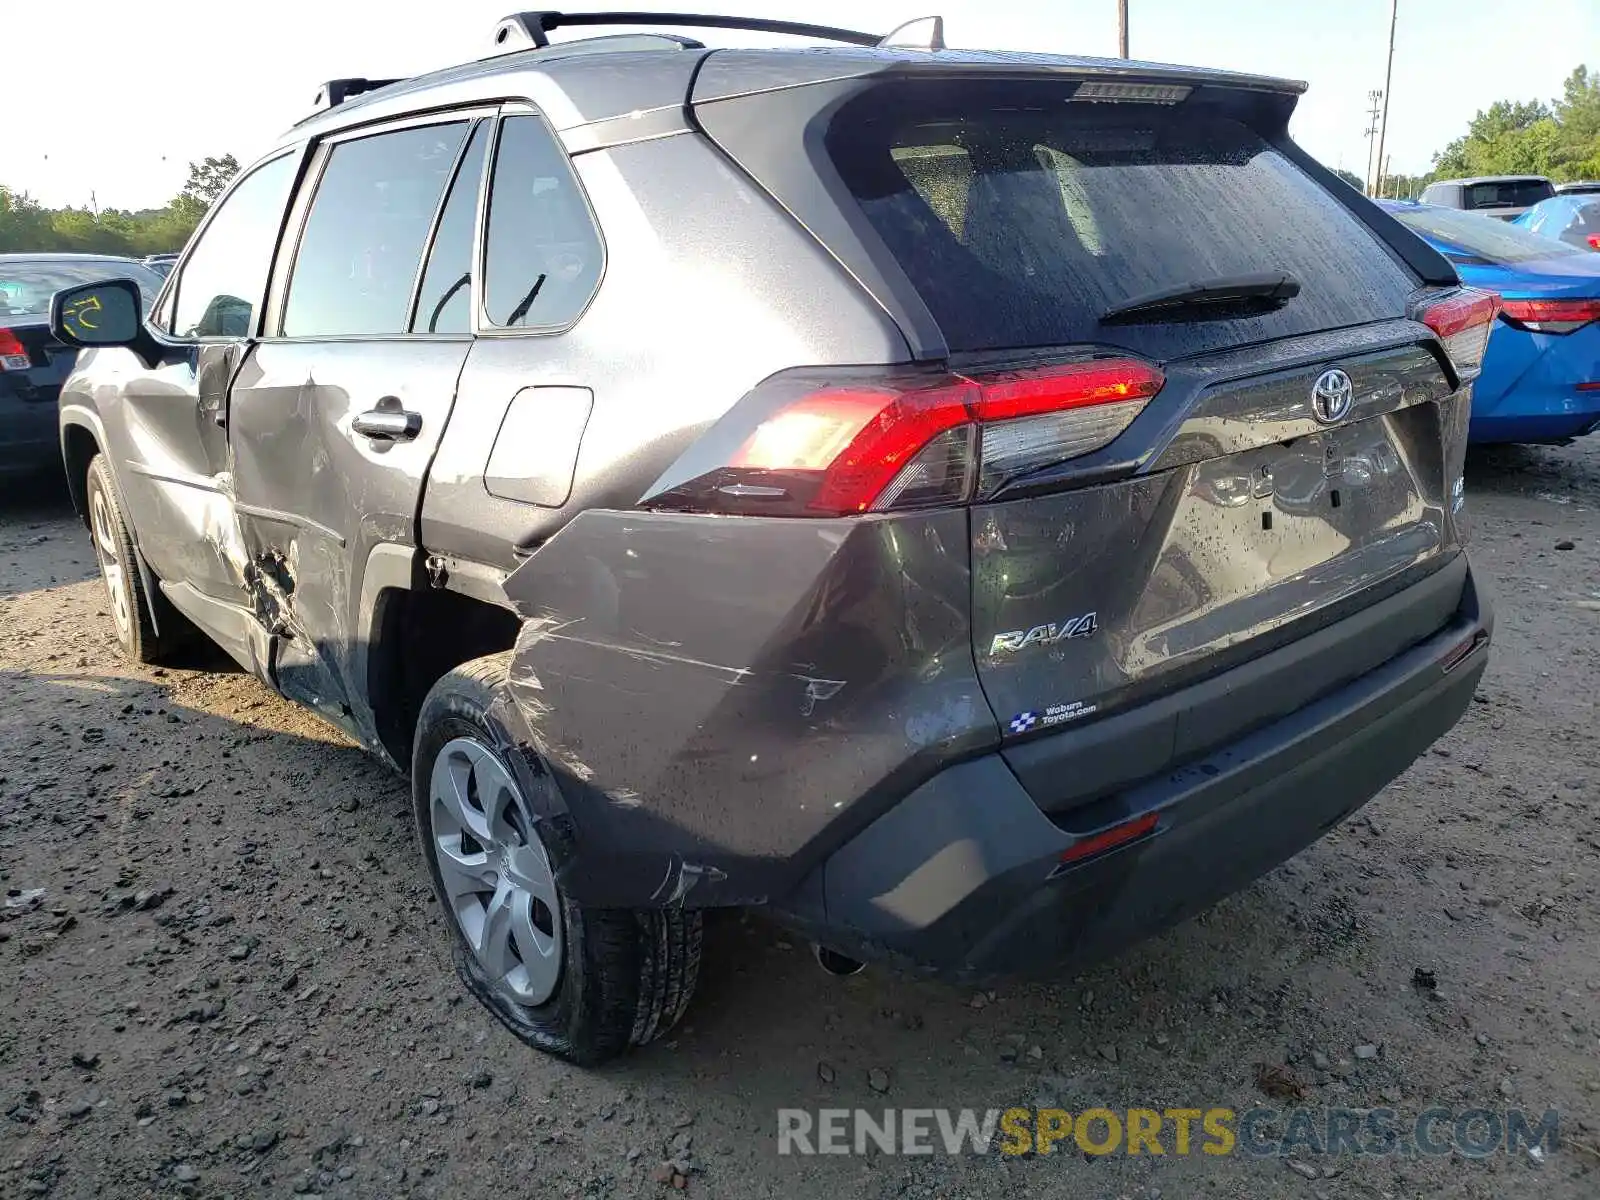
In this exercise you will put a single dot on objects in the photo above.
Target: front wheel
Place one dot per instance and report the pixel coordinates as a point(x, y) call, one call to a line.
point(119, 569)
point(583, 984)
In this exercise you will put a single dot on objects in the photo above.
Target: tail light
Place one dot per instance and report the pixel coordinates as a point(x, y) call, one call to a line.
point(1594, 241)
point(1462, 319)
point(844, 444)
point(13, 354)
point(1550, 316)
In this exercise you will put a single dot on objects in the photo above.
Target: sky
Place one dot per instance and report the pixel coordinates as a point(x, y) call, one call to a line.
point(182, 79)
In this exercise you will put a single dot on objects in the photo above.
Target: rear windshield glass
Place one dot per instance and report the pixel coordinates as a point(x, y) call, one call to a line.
point(1465, 236)
point(1508, 193)
point(1021, 217)
point(27, 285)
point(1585, 215)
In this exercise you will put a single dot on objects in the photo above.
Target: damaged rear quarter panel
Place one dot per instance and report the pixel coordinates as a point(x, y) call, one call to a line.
point(723, 700)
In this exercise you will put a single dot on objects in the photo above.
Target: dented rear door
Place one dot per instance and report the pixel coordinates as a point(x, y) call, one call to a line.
point(335, 420)
point(314, 497)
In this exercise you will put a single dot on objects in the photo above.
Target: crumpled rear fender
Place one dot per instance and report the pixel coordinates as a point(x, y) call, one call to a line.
point(721, 702)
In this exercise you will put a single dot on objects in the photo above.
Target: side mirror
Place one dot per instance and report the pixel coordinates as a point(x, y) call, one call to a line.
point(108, 313)
point(97, 314)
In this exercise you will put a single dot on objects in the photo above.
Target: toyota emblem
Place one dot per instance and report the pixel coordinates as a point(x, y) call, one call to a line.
point(1332, 396)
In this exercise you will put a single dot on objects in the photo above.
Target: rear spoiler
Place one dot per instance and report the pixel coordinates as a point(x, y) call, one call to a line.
point(1433, 268)
point(729, 73)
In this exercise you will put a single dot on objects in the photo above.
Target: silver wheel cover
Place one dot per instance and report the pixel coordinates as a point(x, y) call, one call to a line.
point(497, 879)
point(111, 567)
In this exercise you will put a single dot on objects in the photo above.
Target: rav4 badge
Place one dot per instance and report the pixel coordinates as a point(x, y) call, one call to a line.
point(1043, 635)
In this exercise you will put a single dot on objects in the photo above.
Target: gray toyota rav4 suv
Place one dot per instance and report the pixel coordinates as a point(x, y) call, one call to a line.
point(979, 508)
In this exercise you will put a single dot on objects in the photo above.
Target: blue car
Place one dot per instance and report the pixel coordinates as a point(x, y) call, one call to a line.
point(1574, 219)
point(1541, 374)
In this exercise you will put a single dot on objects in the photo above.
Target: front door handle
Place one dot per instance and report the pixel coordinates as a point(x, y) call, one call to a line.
point(388, 422)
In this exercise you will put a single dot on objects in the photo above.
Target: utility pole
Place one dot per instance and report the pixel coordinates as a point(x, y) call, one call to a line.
point(1386, 173)
point(1375, 99)
point(1122, 28)
point(1388, 76)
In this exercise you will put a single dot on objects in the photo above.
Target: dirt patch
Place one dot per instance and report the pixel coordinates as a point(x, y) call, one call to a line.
point(224, 973)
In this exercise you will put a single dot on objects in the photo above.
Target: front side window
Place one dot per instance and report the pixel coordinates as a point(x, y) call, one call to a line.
point(543, 257)
point(223, 281)
point(363, 238)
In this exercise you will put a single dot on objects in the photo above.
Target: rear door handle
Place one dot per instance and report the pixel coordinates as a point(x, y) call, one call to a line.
point(388, 422)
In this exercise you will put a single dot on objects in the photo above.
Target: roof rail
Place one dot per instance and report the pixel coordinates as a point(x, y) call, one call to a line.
point(510, 38)
point(336, 91)
point(532, 29)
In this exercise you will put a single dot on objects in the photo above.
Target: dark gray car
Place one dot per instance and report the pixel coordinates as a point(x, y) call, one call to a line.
point(979, 508)
point(1503, 196)
point(33, 364)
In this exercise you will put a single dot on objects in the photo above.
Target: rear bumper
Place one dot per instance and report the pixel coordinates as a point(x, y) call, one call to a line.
point(810, 735)
point(29, 438)
point(1559, 420)
point(964, 878)
point(1529, 390)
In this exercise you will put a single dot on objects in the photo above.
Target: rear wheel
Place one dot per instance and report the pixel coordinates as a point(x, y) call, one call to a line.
point(119, 569)
point(580, 983)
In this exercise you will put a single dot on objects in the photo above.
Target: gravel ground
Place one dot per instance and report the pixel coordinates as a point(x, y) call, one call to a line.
point(235, 980)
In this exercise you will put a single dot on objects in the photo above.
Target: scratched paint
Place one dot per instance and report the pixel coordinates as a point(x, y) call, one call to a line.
point(706, 722)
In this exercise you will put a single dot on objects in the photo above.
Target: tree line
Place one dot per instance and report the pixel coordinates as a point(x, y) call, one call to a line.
point(1560, 140)
point(26, 225)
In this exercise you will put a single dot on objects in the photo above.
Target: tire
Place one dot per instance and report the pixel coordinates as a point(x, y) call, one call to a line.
point(119, 570)
point(595, 981)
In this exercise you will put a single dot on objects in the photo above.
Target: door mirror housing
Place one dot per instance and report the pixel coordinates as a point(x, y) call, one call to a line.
point(108, 313)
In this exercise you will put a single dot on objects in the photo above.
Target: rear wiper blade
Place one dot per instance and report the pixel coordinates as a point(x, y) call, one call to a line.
point(1227, 295)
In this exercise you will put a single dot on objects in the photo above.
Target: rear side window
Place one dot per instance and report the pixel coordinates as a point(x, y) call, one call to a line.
point(444, 305)
point(358, 256)
point(1021, 218)
point(543, 256)
point(1508, 193)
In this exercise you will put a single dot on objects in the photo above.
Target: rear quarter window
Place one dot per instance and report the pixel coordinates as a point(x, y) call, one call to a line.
point(1020, 217)
point(544, 256)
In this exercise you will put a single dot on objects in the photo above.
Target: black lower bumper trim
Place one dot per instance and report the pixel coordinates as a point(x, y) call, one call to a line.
point(964, 878)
